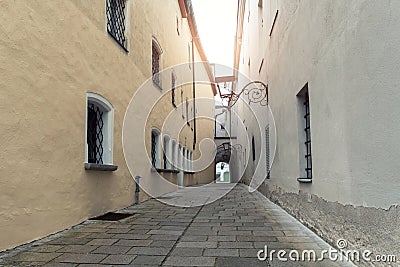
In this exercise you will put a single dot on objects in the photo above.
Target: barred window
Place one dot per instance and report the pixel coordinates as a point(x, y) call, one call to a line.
point(95, 135)
point(116, 21)
point(307, 130)
point(173, 84)
point(253, 148)
point(156, 63)
point(155, 149)
point(99, 128)
point(305, 135)
point(187, 111)
point(166, 153)
point(267, 151)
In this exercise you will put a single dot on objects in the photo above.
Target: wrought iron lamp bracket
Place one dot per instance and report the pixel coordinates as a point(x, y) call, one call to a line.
point(256, 92)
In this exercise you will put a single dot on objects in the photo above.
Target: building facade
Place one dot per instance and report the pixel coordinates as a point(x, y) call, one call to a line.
point(69, 71)
point(331, 70)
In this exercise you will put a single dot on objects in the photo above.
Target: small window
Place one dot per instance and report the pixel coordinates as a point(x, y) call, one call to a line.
point(177, 25)
point(173, 84)
point(182, 107)
point(187, 111)
point(179, 164)
point(166, 153)
point(305, 134)
point(190, 55)
point(267, 151)
point(253, 148)
point(99, 130)
point(155, 149)
point(156, 63)
point(184, 159)
point(173, 152)
point(116, 19)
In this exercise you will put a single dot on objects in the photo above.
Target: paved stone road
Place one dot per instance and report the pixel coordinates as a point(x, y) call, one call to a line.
point(227, 232)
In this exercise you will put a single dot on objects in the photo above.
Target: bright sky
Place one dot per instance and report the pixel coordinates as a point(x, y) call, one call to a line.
point(216, 23)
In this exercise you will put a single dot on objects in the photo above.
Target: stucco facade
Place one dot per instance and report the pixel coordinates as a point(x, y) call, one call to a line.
point(52, 54)
point(345, 52)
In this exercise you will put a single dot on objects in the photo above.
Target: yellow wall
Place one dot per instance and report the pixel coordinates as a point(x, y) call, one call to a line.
point(51, 54)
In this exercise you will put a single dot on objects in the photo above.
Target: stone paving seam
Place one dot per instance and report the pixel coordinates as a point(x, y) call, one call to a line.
point(183, 233)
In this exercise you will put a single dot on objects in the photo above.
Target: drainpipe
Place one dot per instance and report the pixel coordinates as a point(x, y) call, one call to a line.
point(137, 190)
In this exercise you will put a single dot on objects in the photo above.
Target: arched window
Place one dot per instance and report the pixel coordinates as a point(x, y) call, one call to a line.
point(184, 166)
point(166, 153)
point(155, 148)
point(173, 153)
point(99, 130)
point(191, 162)
point(156, 62)
point(180, 153)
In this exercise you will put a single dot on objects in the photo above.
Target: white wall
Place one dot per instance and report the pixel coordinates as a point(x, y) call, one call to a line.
point(347, 52)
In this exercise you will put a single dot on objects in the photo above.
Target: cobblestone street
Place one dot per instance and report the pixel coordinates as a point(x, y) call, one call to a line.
point(228, 232)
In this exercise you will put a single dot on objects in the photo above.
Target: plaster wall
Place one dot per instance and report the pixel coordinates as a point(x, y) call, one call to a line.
point(51, 54)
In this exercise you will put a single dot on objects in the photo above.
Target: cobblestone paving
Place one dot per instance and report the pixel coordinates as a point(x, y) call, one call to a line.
point(227, 232)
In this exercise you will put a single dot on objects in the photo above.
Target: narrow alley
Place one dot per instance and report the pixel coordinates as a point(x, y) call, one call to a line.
point(227, 232)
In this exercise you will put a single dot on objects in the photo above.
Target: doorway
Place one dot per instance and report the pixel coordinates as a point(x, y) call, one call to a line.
point(222, 173)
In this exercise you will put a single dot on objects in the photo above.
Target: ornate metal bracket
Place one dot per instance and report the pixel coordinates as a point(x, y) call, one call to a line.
point(225, 149)
point(256, 92)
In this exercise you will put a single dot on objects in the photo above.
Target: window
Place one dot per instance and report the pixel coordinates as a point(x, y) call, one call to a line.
point(305, 134)
point(155, 149)
point(253, 148)
point(191, 161)
point(99, 130)
point(183, 115)
point(156, 62)
point(190, 55)
point(173, 84)
point(173, 152)
point(180, 153)
point(177, 25)
point(267, 151)
point(184, 159)
point(187, 111)
point(166, 155)
point(116, 17)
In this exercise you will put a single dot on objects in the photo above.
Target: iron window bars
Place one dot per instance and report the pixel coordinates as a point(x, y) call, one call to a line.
point(173, 84)
point(154, 137)
point(156, 55)
point(95, 135)
point(307, 131)
point(115, 10)
point(267, 160)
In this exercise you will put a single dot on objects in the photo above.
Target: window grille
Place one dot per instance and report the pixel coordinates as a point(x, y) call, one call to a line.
point(95, 136)
point(154, 137)
point(307, 142)
point(187, 111)
point(183, 115)
point(116, 21)
point(156, 56)
point(173, 83)
point(165, 152)
point(253, 146)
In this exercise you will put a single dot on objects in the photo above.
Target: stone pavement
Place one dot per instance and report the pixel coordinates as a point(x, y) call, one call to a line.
point(227, 232)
